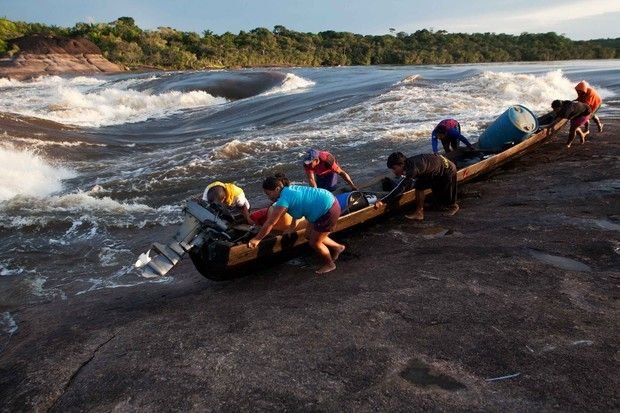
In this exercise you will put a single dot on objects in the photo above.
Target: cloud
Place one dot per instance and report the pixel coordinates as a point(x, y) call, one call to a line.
point(566, 12)
point(539, 19)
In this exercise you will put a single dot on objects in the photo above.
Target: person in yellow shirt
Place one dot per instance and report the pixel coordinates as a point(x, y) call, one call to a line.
point(229, 195)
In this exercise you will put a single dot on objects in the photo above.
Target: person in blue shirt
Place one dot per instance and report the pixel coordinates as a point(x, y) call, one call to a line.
point(318, 205)
point(448, 131)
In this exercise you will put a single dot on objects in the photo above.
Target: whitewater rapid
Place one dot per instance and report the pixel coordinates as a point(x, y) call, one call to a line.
point(127, 150)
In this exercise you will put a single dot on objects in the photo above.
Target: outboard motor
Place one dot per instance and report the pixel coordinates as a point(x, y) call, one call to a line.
point(200, 219)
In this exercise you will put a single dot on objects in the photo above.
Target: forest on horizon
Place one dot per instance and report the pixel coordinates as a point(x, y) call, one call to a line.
point(123, 42)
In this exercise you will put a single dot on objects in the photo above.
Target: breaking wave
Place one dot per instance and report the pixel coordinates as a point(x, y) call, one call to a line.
point(82, 208)
point(411, 109)
point(91, 102)
point(26, 173)
point(291, 83)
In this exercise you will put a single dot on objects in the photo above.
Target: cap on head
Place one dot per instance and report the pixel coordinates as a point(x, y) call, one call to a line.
point(582, 86)
point(311, 155)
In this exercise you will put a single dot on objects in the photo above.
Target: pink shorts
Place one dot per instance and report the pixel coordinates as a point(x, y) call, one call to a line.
point(579, 120)
point(327, 222)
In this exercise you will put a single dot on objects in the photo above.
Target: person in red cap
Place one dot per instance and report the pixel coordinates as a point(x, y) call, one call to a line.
point(323, 170)
point(586, 94)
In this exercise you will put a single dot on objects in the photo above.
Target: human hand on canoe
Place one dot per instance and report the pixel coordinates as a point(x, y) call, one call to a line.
point(253, 243)
point(378, 204)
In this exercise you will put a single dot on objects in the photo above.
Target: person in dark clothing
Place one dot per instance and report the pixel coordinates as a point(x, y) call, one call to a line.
point(424, 171)
point(448, 132)
point(577, 112)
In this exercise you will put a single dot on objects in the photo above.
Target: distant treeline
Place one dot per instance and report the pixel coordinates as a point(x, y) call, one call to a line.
point(125, 43)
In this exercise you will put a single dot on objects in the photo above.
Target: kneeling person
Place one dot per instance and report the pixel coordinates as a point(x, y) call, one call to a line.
point(229, 195)
point(432, 171)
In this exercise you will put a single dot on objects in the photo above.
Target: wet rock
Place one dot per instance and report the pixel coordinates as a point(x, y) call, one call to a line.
point(383, 332)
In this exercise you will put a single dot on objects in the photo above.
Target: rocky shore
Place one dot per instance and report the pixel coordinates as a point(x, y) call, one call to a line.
point(45, 55)
point(511, 305)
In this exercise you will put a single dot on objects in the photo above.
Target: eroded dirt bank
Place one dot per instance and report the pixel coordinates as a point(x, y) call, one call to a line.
point(50, 55)
point(509, 305)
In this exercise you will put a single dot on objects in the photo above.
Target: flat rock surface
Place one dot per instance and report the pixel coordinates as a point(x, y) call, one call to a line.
point(510, 305)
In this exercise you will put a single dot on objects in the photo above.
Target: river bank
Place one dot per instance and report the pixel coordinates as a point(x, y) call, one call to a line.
point(508, 305)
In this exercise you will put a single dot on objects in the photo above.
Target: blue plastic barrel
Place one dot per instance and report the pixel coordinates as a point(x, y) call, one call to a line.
point(511, 127)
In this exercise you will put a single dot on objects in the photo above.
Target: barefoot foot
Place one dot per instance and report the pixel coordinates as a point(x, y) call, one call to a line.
point(416, 216)
point(336, 253)
point(452, 210)
point(326, 268)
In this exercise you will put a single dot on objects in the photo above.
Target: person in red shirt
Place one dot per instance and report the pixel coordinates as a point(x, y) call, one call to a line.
point(586, 94)
point(323, 170)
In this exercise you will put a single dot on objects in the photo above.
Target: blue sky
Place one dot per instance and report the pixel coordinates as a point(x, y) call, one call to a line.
point(577, 19)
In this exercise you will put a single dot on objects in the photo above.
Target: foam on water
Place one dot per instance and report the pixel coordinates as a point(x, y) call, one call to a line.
point(111, 256)
point(41, 143)
point(91, 102)
point(26, 173)
point(250, 148)
point(291, 83)
point(409, 79)
point(84, 212)
point(37, 286)
point(6, 271)
point(99, 283)
point(115, 106)
point(9, 326)
point(413, 107)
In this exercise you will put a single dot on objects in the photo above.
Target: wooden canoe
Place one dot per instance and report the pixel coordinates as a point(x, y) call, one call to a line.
point(220, 259)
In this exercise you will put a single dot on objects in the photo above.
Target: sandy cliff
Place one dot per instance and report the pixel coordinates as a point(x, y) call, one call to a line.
point(42, 54)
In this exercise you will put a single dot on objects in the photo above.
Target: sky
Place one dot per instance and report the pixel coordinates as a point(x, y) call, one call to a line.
point(575, 19)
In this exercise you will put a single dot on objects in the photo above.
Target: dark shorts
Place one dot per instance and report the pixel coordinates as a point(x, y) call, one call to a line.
point(327, 222)
point(328, 181)
point(443, 186)
point(451, 143)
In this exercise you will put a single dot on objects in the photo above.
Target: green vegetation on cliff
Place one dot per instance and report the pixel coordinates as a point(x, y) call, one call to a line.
point(125, 43)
